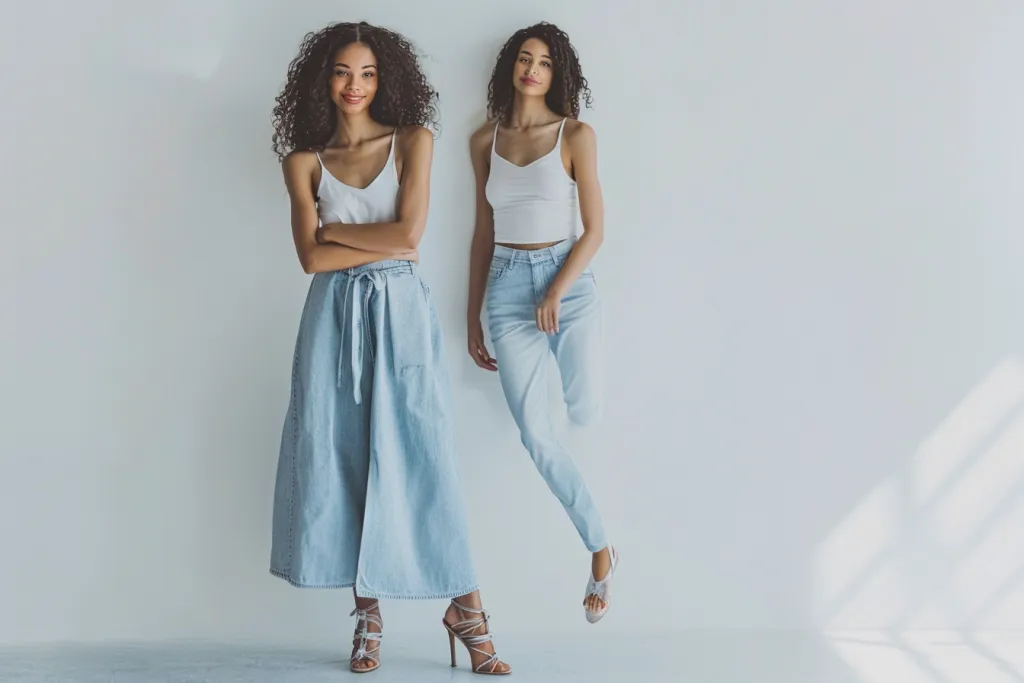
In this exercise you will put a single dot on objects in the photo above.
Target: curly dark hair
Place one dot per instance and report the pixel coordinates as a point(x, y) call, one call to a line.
point(305, 118)
point(568, 86)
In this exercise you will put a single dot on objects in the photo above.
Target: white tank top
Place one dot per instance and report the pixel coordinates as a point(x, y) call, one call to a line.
point(533, 203)
point(337, 202)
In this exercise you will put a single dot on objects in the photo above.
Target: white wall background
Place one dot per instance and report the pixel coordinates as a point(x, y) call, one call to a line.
point(812, 279)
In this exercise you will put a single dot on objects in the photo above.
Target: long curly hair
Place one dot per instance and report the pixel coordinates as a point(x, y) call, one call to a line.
point(305, 118)
point(568, 86)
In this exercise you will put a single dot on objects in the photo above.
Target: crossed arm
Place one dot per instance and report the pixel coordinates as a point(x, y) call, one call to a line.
point(404, 234)
point(337, 246)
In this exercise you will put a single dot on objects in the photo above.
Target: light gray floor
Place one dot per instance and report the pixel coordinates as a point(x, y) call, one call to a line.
point(685, 657)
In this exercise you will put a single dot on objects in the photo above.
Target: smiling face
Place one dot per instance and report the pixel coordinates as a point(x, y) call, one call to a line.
point(533, 70)
point(353, 79)
point(538, 61)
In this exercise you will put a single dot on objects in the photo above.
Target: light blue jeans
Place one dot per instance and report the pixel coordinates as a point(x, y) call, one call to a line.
point(518, 281)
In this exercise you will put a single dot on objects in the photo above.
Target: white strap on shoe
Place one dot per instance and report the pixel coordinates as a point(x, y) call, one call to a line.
point(363, 621)
point(464, 629)
point(600, 588)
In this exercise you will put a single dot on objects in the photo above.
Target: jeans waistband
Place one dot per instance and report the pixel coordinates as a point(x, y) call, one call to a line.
point(383, 267)
point(552, 254)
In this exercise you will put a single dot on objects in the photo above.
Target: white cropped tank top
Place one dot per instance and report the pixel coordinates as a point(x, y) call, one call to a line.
point(337, 202)
point(533, 203)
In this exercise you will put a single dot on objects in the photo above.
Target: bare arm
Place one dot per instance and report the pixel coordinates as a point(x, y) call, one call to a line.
point(482, 249)
point(583, 152)
point(317, 258)
point(404, 234)
point(583, 155)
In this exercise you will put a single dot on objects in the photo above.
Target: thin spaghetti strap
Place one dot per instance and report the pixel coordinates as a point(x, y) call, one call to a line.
point(319, 159)
point(391, 153)
point(560, 129)
point(494, 138)
point(391, 156)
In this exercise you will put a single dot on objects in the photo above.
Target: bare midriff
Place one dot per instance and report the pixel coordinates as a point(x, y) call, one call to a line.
point(530, 247)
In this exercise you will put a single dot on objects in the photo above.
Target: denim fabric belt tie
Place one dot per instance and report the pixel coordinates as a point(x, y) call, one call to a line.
point(360, 286)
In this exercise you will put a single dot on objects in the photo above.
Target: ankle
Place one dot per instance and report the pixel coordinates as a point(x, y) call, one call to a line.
point(458, 612)
point(470, 601)
point(370, 607)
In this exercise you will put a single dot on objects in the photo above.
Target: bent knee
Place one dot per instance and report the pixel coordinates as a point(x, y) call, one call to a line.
point(585, 414)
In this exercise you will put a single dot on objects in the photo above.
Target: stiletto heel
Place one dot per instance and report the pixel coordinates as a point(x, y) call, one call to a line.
point(468, 633)
point(451, 644)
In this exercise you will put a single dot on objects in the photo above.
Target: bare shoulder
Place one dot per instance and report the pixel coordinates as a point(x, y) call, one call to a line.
point(415, 138)
point(579, 135)
point(300, 160)
point(300, 168)
point(482, 137)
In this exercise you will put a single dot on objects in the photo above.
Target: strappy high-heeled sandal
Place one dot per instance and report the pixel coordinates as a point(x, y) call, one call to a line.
point(469, 634)
point(363, 652)
point(602, 589)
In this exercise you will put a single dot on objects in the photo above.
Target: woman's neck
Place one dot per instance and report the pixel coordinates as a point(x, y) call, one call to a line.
point(528, 112)
point(352, 131)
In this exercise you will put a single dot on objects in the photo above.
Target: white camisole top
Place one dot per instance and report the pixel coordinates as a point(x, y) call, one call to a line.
point(337, 202)
point(533, 203)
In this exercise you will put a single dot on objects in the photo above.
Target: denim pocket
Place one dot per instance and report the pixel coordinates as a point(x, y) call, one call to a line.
point(409, 316)
point(497, 271)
